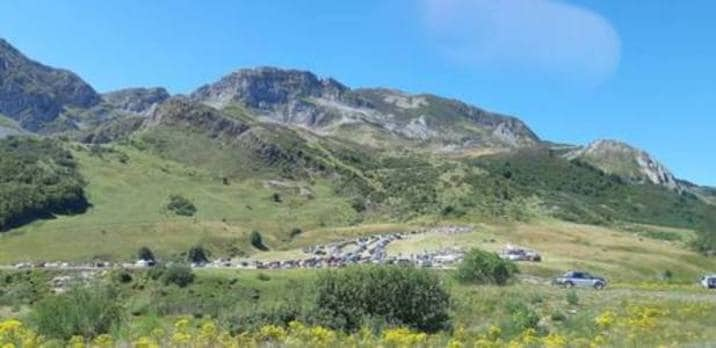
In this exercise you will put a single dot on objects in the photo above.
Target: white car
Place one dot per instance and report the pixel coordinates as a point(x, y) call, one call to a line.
point(513, 253)
point(709, 281)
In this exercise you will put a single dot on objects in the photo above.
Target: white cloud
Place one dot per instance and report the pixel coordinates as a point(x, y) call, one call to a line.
point(547, 36)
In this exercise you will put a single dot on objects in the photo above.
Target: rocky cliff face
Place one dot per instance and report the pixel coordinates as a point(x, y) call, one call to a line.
point(137, 101)
point(328, 107)
point(34, 94)
point(618, 158)
point(279, 95)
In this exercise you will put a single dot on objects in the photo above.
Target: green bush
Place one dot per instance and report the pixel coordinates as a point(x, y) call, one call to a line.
point(482, 267)
point(197, 254)
point(263, 277)
point(179, 275)
point(572, 298)
point(276, 197)
point(522, 317)
point(86, 312)
point(122, 276)
point(146, 254)
point(181, 206)
point(404, 296)
point(295, 232)
point(257, 240)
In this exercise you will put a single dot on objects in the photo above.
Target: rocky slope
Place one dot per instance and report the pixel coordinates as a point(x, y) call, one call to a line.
point(137, 101)
point(35, 95)
point(624, 160)
point(328, 107)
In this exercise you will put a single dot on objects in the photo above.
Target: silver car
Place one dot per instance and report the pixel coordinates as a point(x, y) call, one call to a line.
point(580, 279)
point(709, 281)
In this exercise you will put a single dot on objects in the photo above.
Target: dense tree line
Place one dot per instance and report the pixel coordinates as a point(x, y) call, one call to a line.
point(38, 178)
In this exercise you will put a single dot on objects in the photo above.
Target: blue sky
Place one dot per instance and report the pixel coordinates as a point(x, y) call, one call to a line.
point(639, 71)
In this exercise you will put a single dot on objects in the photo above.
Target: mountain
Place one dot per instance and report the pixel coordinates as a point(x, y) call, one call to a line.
point(274, 150)
point(626, 161)
point(36, 95)
point(377, 117)
point(137, 101)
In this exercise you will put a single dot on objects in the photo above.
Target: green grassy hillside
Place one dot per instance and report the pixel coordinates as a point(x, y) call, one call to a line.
point(129, 189)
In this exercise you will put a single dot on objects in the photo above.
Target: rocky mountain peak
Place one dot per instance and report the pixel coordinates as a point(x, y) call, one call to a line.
point(265, 87)
point(34, 94)
point(616, 157)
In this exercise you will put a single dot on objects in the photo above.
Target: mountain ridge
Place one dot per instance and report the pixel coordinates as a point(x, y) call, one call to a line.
point(324, 104)
point(382, 118)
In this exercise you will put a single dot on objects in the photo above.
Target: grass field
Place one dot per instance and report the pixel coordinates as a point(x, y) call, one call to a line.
point(620, 256)
point(128, 212)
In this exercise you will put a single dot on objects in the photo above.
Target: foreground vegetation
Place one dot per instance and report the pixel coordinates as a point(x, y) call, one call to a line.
point(230, 309)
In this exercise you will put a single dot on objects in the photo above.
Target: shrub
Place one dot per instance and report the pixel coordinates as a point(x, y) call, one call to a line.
point(572, 298)
point(146, 254)
point(295, 232)
point(155, 273)
point(179, 275)
point(522, 317)
point(276, 197)
point(257, 240)
point(280, 314)
point(401, 296)
point(558, 316)
point(181, 206)
point(122, 276)
point(197, 254)
point(358, 204)
point(86, 312)
point(482, 267)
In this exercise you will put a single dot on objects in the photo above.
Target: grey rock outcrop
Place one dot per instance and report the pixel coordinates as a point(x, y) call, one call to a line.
point(138, 101)
point(327, 106)
point(619, 158)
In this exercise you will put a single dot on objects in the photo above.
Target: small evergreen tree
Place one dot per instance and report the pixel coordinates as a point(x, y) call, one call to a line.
point(257, 240)
point(197, 254)
point(146, 254)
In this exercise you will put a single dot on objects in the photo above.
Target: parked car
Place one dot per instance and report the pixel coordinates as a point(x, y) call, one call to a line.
point(709, 281)
point(580, 279)
point(513, 253)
